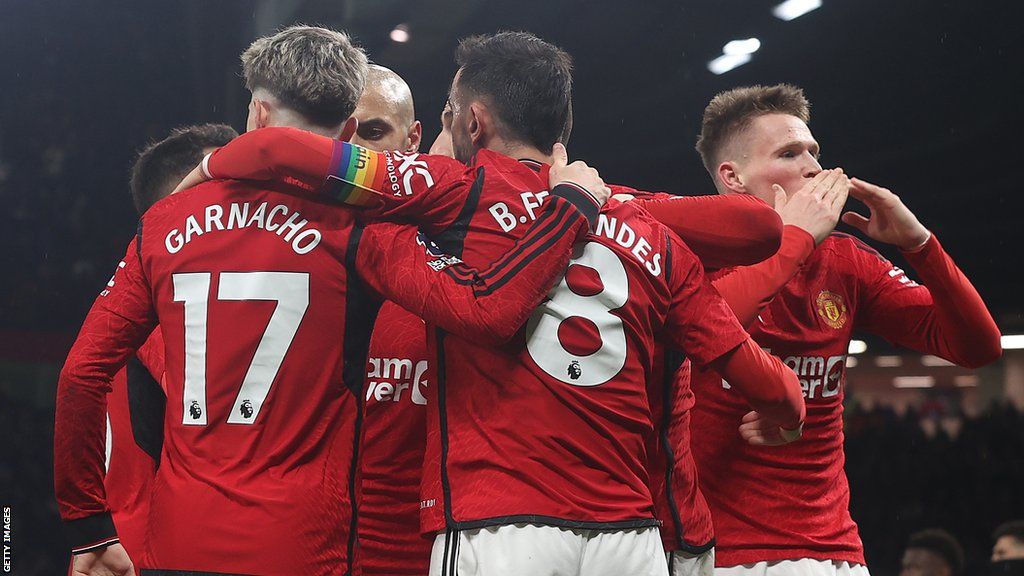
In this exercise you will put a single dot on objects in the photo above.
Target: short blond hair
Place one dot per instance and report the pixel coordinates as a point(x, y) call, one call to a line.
point(316, 72)
point(730, 113)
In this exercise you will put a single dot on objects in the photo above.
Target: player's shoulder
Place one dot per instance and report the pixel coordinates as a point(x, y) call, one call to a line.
point(849, 246)
point(640, 194)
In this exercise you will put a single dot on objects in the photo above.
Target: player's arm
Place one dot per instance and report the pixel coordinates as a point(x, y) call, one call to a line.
point(809, 216)
point(427, 189)
point(723, 231)
point(947, 317)
point(484, 305)
point(118, 323)
point(700, 323)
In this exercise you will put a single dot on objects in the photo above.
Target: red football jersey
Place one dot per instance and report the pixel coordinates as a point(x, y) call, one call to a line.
point(680, 505)
point(552, 430)
point(395, 428)
point(792, 501)
point(131, 462)
point(253, 292)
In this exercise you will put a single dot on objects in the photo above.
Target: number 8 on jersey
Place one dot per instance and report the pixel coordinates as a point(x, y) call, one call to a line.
point(573, 336)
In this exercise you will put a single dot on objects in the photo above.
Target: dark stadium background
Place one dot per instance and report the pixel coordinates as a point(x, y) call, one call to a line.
point(922, 97)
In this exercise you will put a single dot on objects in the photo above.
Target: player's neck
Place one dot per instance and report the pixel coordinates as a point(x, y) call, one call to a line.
point(521, 152)
point(290, 119)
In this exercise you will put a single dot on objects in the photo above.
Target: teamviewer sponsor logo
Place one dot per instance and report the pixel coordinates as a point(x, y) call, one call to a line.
point(389, 378)
point(820, 377)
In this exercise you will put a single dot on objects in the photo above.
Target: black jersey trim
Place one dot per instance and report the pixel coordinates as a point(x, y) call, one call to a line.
point(147, 404)
point(525, 260)
point(90, 533)
point(442, 398)
point(361, 309)
point(452, 240)
point(541, 520)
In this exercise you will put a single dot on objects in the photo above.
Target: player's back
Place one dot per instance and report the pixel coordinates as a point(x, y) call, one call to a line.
point(551, 429)
point(260, 321)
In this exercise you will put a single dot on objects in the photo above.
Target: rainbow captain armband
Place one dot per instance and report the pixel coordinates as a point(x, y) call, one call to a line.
point(357, 176)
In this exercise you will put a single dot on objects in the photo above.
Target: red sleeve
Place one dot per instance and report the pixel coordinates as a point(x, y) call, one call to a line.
point(151, 354)
point(723, 231)
point(120, 320)
point(701, 324)
point(748, 289)
point(428, 189)
point(698, 321)
point(766, 383)
point(947, 318)
point(484, 305)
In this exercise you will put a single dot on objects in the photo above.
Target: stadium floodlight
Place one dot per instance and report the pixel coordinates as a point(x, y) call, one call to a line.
point(400, 34)
point(857, 347)
point(1012, 341)
point(739, 47)
point(913, 382)
point(791, 9)
point(727, 62)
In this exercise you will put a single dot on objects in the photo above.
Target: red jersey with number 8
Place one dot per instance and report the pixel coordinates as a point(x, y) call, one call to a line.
point(550, 429)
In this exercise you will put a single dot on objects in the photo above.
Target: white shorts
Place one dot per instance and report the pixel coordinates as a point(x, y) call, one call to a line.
point(685, 564)
point(533, 550)
point(801, 567)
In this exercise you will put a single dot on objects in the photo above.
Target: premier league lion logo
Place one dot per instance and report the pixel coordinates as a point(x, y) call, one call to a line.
point(194, 410)
point(574, 370)
point(246, 409)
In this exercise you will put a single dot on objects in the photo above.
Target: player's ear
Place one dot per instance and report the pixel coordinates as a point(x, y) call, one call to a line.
point(728, 175)
point(415, 136)
point(348, 129)
point(261, 112)
point(479, 124)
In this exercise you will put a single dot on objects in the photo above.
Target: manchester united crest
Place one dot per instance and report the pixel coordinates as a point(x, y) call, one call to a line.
point(831, 308)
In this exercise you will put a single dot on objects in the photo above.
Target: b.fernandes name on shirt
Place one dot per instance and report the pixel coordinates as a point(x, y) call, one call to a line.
point(280, 219)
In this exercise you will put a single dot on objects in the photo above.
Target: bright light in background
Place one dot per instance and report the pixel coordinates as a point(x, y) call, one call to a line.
point(791, 9)
point(857, 347)
point(737, 47)
point(1012, 341)
point(966, 381)
point(400, 33)
point(727, 62)
point(913, 382)
point(888, 361)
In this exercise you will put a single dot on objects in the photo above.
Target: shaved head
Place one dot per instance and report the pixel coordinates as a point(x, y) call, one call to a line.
point(387, 118)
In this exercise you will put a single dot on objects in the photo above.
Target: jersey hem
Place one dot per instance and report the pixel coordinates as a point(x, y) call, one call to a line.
point(554, 521)
point(726, 558)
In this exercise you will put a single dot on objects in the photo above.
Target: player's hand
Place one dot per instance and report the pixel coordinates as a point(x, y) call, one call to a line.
point(194, 178)
point(757, 430)
point(109, 561)
point(890, 220)
point(815, 208)
point(577, 173)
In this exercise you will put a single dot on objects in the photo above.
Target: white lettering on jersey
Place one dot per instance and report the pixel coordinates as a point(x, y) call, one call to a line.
point(820, 377)
point(625, 236)
point(110, 283)
point(409, 167)
point(508, 220)
point(292, 230)
point(389, 377)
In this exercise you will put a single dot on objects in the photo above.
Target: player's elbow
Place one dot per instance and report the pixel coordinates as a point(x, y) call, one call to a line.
point(765, 229)
point(987, 350)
